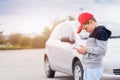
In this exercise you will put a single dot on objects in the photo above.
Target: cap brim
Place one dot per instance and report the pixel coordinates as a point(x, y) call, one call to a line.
point(79, 29)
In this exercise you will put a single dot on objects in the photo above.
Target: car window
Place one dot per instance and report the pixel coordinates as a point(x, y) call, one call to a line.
point(63, 30)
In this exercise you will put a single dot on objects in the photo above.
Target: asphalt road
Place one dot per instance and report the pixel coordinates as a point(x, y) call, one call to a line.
point(25, 65)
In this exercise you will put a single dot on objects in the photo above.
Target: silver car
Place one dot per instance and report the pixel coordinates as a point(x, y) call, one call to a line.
point(60, 55)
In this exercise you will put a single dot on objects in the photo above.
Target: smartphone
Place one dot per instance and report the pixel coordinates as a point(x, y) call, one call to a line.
point(76, 48)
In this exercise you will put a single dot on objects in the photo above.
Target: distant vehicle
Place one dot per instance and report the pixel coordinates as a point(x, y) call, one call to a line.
point(59, 55)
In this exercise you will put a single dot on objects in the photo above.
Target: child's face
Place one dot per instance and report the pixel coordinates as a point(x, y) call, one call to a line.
point(89, 27)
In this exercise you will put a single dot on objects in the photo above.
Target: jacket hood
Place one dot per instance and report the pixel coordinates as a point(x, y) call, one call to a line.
point(101, 33)
point(108, 32)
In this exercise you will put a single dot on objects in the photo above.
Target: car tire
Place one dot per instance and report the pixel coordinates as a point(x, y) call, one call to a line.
point(48, 71)
point(78, 71)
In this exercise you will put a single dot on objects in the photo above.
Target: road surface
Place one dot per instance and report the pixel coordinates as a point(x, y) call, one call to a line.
point(25, 65)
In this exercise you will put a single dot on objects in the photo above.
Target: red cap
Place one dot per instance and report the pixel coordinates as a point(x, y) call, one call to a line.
point(84, 17)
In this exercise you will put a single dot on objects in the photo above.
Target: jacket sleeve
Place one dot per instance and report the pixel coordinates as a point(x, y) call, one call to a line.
point(99, 49)
point(100, 43)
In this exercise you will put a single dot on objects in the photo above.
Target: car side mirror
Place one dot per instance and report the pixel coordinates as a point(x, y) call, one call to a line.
point(67, 39)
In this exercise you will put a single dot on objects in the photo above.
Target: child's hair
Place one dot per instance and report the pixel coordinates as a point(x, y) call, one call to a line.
point(93, 19)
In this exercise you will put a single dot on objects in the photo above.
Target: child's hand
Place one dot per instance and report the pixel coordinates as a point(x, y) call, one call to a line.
point(82, 50)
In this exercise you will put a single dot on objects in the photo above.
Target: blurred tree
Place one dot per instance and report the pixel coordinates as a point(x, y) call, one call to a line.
point(39, 42)
point(25, 41)
point(71, 18)
point(14, 39)
point(1, 29)
point(1, 36)
point(1, 39)
point(46, 32)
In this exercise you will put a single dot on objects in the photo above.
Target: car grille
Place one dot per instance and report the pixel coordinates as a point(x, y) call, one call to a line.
point(116, 71)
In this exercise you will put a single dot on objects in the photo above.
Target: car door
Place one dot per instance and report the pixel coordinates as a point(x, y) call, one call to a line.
point(62, 50)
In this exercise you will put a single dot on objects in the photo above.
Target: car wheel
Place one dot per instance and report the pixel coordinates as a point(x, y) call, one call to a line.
point(78, 71)
point(49, 73)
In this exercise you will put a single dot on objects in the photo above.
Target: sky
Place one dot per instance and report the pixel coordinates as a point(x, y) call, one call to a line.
point(30, 16)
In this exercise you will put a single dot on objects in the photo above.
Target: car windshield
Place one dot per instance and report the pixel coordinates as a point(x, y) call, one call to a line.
point(63, 30)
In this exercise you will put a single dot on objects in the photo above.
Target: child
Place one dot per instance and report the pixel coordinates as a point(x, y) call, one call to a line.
point(96, 46)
